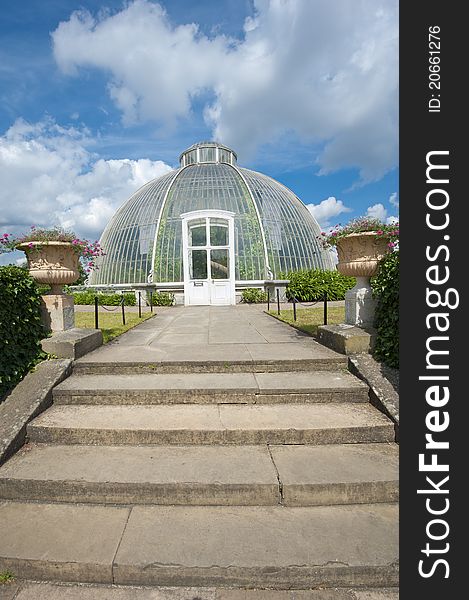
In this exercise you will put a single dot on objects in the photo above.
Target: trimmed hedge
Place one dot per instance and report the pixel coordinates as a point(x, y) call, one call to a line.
point(253, 296)
point(104, 299)
point(310, 285)
point(386, 290)
point(21, 328)
point(161, 299)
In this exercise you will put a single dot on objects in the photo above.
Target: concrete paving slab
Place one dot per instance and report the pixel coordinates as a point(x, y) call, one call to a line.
point(337, 474)
point(290, 351)
point(232, 334)
point(171, 381)
point(51, 591)
point(201, 475)
point(309, 381)
point(211, 424)
point(60, 542)
point(305, 423)
point(9, 590)
point(83, 591)
point(145, 388)
point(178, 339)
point(258, 546)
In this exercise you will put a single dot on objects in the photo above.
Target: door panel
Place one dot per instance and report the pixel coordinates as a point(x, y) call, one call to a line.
point(208, 247)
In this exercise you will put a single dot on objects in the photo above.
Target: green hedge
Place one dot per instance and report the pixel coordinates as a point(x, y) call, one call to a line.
point(253, 296)
point(310, 285)
point(386, 290)
point(104, 299)
point(20, 326)
point(161, 299)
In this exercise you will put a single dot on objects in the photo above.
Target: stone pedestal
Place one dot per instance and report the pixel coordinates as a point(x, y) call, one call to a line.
point(271, 287)
point(57, 312)
point(347, 339)
point(73, 343)
point(360, 304)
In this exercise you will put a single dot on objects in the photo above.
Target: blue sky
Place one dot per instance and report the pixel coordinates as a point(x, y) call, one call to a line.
point(99, 96)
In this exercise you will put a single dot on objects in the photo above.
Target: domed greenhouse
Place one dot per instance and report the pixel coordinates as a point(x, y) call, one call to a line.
point(209, 228)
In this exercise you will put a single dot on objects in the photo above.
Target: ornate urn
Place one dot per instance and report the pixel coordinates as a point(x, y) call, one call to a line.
point(359, 255)
point(53, 263)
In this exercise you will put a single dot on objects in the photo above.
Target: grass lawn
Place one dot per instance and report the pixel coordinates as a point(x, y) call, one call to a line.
point(308, 319)
point(110, 323)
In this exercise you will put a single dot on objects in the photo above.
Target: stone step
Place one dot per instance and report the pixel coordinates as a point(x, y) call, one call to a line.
point(37, 590)
point(254, 388)
point(337, 361)
point(203, 475)
point(272, 546)
point(212, 424)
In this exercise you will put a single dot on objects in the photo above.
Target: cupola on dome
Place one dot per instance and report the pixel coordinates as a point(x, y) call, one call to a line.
point(209, 219)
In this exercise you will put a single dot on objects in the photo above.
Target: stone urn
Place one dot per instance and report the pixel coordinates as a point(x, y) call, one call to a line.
point(359, 255)
point(52, 263)
point(55, 264)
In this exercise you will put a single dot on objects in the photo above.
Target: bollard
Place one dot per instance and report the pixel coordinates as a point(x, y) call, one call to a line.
point(140, 305)
point(151, 301)
point(268, 300)
point(96, 319)
point(294, 308)
point(325, 308)
point(278, 301)
point(123, 311)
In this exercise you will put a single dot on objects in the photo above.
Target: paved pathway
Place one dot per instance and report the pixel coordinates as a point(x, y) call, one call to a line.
point(241, 333)
point(212, 447)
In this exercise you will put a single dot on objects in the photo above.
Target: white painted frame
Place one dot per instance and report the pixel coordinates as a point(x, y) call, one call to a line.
point(207, 214)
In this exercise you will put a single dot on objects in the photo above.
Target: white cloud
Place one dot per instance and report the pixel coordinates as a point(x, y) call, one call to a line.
point(49, 177)
point(326, 71)
point(325, 210)
point(394, 200)
point(377, 211)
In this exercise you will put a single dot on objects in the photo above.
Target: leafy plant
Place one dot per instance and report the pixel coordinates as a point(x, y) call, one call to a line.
point(311, 285)
point(253, 296)
point(161, 299)
point(361, 225)
point(21, 328)
point(88, 296)
point(88, 251)
point(386, 289)
point(6, 577)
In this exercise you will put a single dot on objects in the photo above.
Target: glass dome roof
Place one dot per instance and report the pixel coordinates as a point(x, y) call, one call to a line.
point(274, 231)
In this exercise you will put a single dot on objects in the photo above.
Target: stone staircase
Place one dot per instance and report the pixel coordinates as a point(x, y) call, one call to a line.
point(268, 475)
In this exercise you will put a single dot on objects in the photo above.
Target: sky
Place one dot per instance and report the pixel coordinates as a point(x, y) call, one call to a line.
point(97, 97)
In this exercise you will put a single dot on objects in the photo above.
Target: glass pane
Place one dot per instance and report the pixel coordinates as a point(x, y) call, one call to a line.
point(198, 264)
point(197, 233)
point(218, 233)
point(219, 264)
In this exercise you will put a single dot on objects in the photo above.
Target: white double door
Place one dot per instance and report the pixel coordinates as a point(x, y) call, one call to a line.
point(208, 247)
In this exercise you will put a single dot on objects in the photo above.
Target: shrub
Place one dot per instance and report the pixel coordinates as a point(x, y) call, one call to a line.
point(88, 297)
point(161, 299)
point(21, 328)
point(386, 290)
point(253, 296)
point(311, 285)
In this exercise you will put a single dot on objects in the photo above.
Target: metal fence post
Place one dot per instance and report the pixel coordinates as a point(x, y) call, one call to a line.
point(123, 310)
point(325, 308)
point(96, 319)
point(278, 301)
point(140, 305)
point(294, 308)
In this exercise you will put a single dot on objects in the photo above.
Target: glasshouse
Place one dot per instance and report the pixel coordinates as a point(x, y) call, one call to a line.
point(209, 229)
